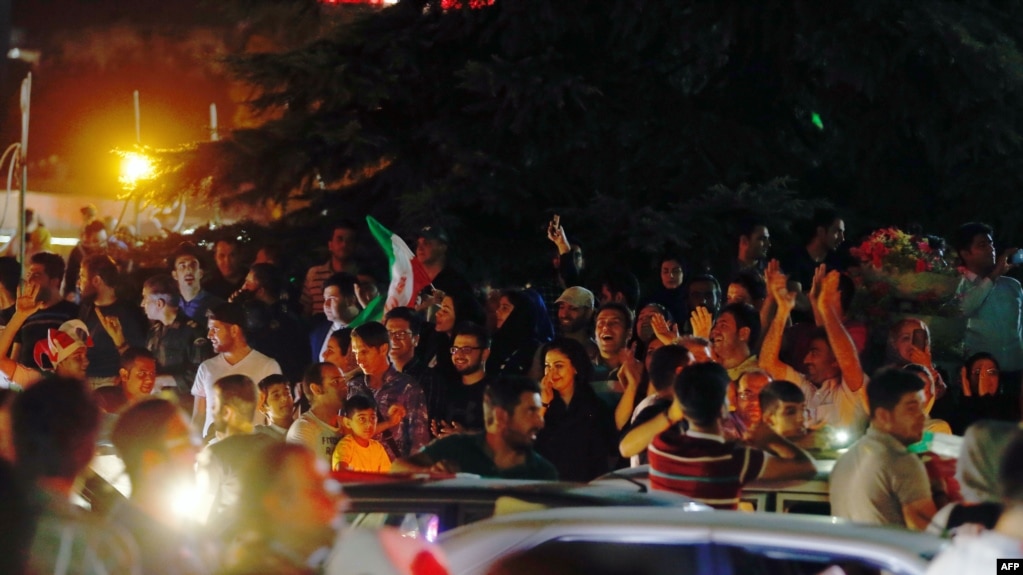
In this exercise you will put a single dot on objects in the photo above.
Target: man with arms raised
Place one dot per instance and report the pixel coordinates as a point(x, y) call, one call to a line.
point(511, 411)
point(835, 384)
point(878, 481)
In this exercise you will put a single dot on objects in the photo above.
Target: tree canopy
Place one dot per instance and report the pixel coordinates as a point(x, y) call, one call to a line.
point(645, 124)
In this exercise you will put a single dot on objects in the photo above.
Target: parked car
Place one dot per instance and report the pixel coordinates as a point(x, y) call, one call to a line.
point(659, 541)
point(427, 506)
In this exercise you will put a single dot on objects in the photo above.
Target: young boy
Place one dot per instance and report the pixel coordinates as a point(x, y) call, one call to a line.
point(783, 409)
point(276, 403)
point(358, 451)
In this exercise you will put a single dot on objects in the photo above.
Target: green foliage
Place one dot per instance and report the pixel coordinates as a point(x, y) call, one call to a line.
point(639, 121)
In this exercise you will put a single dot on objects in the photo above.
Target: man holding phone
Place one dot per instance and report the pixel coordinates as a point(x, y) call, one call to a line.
point(992, 303)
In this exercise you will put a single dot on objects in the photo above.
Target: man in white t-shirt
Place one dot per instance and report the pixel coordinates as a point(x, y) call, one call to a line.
point(835, 386)
point(319, 429)
point(234, 356)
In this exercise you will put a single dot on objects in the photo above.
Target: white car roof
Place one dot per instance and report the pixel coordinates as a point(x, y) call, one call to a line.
point(472, 547)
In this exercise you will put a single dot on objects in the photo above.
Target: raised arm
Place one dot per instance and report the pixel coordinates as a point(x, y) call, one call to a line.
point(841, 342)
point(24, 306)
point(641, 436)
point(770, 349)
point(630, 375)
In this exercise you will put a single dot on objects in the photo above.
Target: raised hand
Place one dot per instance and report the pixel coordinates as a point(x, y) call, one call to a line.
point(778, 285)
point(702, 322)
point(828, 294)
point(112, 325)
point(664, 332)
point(556, 234)
point(27, 302)
point(631, 368)
point(818, 277)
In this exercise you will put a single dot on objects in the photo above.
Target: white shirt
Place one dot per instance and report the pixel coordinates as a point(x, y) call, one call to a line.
point(254, 365)
point(975, 554)
point(315, 434)
point(833, 403)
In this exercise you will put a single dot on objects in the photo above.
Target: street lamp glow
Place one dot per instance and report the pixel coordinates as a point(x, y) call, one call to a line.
point(135, 167)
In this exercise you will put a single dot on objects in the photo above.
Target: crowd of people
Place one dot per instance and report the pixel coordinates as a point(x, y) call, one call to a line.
point(229, 383)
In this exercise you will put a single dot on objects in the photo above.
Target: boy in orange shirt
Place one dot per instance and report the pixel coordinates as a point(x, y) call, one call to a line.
point(358, 451)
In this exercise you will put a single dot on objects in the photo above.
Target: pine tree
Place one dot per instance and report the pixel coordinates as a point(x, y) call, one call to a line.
point(638, 121)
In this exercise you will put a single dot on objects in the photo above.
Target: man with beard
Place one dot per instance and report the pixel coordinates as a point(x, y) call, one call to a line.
point(114, 324)
point(575, 311)
point(575, 318)
point(512, 415)
point(464, 397)
point(221, 462)
point(823, 236)
point(878, 481)
point(732, 338)
point(234, 356)
point(835, 383)
point(273, 329)
point(45, 271)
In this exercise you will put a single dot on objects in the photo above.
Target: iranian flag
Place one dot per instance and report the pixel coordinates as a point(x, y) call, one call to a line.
point(408, 276)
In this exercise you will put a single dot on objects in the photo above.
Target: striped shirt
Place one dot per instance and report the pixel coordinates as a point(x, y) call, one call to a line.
point(703, 466)
point(312, 288)
point(311, 299)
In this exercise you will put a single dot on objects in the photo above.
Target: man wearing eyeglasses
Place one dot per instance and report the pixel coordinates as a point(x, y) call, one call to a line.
point(464, 396)
point(404, 424)
point(403, 328)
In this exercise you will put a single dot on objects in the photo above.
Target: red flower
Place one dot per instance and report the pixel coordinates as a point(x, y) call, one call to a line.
point(922, 266)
